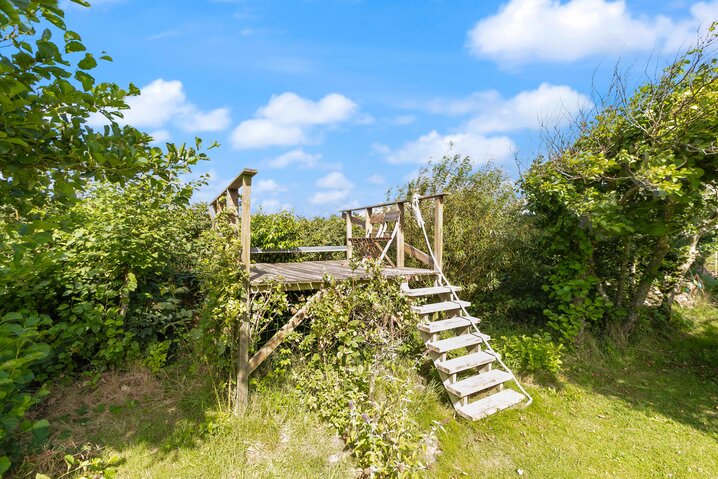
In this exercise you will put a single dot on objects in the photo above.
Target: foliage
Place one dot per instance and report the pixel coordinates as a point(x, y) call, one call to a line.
point(356, 331)
point(535, 354)
point(21, 350)
point(51, 246)
point(489, 242)
point(123, 273)
point(372, 415)
point(626, 203)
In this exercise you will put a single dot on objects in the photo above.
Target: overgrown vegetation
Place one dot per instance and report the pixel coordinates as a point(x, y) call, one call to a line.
point(120, 304)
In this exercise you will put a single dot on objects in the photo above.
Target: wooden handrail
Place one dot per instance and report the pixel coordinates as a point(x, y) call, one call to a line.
point(397, 202)
point(235, 184)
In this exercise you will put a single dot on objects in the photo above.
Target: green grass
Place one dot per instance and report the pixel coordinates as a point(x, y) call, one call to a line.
point(645, 410)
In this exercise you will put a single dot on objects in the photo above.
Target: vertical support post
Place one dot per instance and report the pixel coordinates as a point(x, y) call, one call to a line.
point(246, 220)
point(233, 205)
point(400, 238)
point(245, 238)
point(438, 231)
point(367, 221)
point(348, 216)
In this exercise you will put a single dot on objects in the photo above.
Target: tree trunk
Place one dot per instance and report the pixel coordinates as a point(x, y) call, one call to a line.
point(644, 285)
point(680, 273)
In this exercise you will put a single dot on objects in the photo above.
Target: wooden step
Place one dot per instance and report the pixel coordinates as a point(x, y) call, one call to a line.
point(478, 383)
point(438, 307)
point(490, 404)
point(442, 346)
point(418, 292)
point(462, 363)
point(447, 324)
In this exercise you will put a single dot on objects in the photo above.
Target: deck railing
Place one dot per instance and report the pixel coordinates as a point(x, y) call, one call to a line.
point(402, 247)
point(238, 191)
point(237, 198)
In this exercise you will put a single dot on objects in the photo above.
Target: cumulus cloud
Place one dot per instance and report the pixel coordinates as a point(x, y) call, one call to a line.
point(336, 180)
point(162, 104)
point(490, 114)
point(552, 104)
point(289, 119)
point(551, 30)
point(267, 186)
point(295, 157)
point(328, 197)
point(434, 145)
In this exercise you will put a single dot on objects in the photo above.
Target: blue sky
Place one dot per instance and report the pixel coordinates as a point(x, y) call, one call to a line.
point(336, 101)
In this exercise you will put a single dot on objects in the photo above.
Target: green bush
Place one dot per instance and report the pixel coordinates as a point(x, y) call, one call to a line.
point(536, 354)
point(21, 350)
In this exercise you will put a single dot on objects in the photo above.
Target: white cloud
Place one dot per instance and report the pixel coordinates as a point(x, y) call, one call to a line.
point(288, 119)
point(376, 179)
point(335, 180)
point(298, 157)
point(328, 197)
point(551, 30)
point(434, 145)
point(161, 104)
point(551, 104)
point(489, 113)
point(260, 133)
point(158, 136)
point(267, 186)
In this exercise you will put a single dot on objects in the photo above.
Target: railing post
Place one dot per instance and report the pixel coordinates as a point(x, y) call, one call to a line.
point(233, 204)
point(438, 231)
point(348, 216)
point(400, 238)
point(244, 330)
point(246, 219)
point(367, 221)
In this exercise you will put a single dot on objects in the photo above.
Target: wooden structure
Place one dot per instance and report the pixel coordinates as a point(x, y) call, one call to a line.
point(475, 388)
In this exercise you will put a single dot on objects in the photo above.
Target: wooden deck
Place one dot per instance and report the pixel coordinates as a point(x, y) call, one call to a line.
point(309, 275)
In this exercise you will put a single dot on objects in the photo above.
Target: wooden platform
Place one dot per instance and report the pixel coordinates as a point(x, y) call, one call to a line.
point(309, 275)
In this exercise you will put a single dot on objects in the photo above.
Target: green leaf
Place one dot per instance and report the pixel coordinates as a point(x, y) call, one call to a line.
point(87, 63)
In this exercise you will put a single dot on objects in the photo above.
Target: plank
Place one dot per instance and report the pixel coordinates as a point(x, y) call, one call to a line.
point(478, 383)
point(432, 308)
point(457, 342)
point(418, 254)
point(490, 404)
point(265, 351)
point(448, 324)
point(301, 249)
point(463, 363)
point(418, 292)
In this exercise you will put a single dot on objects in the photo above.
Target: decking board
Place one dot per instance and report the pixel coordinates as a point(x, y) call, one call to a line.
point(309, 275)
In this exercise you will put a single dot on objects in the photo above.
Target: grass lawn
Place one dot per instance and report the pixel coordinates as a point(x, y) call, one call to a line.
point(648, 410)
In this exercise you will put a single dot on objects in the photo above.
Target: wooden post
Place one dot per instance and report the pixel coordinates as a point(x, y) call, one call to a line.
point(367, 221)
point(438, 231)
point(400, 238)
point(233, 204)
point(348, 216)
point(246, 219)
point(245, 238)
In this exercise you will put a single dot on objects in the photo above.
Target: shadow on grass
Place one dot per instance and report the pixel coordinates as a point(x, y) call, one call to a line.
point(120, 410)
point(672, 372)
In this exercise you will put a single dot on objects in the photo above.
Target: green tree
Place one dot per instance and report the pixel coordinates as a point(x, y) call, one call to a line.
point(627, 202)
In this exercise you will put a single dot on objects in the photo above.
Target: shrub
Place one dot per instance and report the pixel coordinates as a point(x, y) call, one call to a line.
point(536, 354)
point(20, 352)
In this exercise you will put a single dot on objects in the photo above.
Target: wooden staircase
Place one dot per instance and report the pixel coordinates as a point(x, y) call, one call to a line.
point(466, 366)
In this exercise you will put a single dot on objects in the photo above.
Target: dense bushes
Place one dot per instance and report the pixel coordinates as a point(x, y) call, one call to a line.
point(346, 368)
point(626, 205)
point(490, 244)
